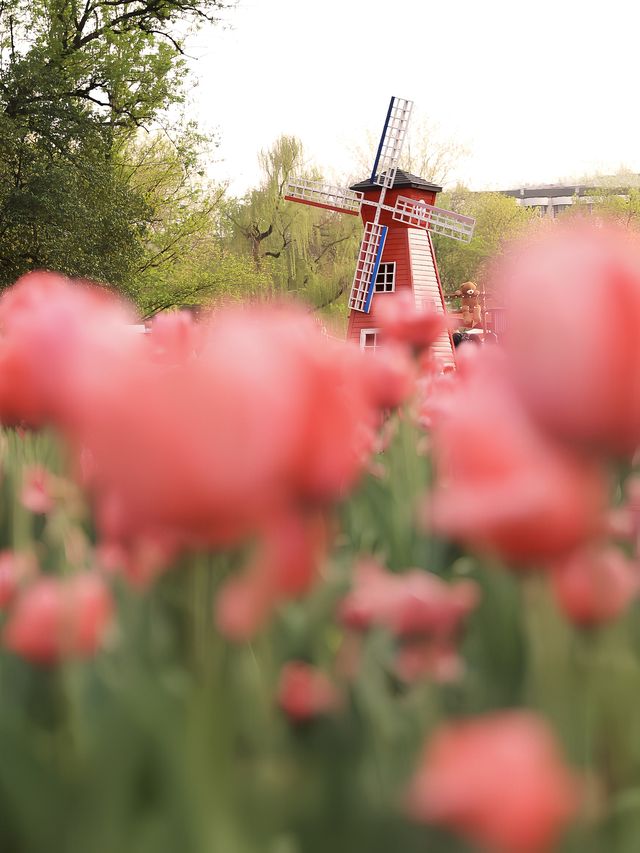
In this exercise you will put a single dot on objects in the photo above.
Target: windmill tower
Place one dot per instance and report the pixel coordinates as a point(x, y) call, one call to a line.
point(396, 252)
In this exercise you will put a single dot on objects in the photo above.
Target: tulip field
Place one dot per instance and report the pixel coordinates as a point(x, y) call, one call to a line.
point(263, 592)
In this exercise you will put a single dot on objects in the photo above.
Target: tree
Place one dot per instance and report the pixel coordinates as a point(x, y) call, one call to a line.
point(116, 62)
point(77, 82)
point(620, 204)
point(69, 213)
point(497, 219)
point(307, 251)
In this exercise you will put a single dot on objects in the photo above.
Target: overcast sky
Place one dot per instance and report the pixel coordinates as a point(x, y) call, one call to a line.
point(536, 91)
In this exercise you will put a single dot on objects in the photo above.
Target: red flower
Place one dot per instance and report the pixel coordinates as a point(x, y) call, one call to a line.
point(54, 619)
point(402, 321)
point(498, 780)
point(595, 586)
point(174, 338)
point(624, 520)
point(413, 602)
point(420, 658)
point(15, 569)
point(305, 692)
point(268, 415)
point(36, 490)
point(502, 485)
point(367, 602)
point(389, 375)
point(433, 389)
point(573, 295)
point(57, 338)
point(421, 610)
point(284, 567)
point(141, 560)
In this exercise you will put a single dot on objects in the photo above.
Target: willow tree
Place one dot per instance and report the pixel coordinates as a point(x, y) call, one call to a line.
point(306, 251)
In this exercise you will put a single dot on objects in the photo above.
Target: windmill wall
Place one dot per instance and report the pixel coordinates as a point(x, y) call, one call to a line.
point(426, 286)
point(416, 271)
point(396, 249)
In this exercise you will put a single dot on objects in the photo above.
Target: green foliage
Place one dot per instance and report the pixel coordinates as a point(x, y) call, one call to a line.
point(77, 81)
point(112, 60)
point(498, 218)
point(308, 252)
point(72, 213)
point(622, 205)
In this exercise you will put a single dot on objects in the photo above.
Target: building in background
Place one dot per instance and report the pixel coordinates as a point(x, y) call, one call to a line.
point(552, 199)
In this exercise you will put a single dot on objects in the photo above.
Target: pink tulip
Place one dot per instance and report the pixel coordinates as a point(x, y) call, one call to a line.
point(54, 619)
point(499, 781)
point(284, 567)
point(15, 569)
point(268, 415)
point(36, 490)
point(424, 613)
point(305, 692)
point(418, 658)
point(389, 375)
point(57, 339)
point(502, 485)
point(402, 321)
point(596, 585)
point(407, 603)
point(573, 294)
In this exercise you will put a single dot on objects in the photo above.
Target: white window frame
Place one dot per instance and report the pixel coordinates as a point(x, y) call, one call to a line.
point(385, 269)
point(363, 338)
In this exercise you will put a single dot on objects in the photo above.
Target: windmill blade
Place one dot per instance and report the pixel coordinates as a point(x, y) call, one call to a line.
point(319, 194)
point(393, 134)
point(419, 214)
point(367, 267)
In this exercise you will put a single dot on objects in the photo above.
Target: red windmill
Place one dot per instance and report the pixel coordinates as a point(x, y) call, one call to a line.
point(398, 212)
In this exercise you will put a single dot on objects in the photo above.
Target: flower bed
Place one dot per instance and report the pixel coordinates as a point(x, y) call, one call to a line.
point(260, 591)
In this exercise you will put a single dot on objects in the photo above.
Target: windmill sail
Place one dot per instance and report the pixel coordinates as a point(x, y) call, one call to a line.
point(393, 134)
point(412, 259)
point(419, 214)
point(319, 194)
point(367, 267)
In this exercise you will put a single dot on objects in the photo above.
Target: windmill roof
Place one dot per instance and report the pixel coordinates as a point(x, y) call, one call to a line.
point(402, 179)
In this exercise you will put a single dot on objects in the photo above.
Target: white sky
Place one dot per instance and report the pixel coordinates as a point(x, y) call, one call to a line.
point(537, 90)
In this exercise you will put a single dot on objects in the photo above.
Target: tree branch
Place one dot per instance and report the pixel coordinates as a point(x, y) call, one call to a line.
point(332, 299)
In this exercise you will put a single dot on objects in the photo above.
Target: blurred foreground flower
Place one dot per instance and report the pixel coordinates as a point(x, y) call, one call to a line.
point(422, 611)
point(58, 338)
point(305, 692)
point(196, 437)
point(573, 294)
point(284, 567)
point(503, 486)
point(36, 490)
point(403, 322)
point(269, 415)
point(58, 618)
point(595, 585)
point(412, 602)
point(15, 570)
point(499, 781)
